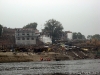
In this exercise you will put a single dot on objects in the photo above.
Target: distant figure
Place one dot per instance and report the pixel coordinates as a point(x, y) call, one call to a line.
point(41, 59)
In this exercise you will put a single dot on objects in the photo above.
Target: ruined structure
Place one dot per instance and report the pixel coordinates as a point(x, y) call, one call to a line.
point(7, 38)
point(26, 36)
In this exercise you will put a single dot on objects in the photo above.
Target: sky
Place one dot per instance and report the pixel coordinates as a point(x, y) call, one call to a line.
point(74, 15)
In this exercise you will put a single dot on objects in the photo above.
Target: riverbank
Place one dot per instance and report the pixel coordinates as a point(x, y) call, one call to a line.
point(43, 56)
point(26, 57)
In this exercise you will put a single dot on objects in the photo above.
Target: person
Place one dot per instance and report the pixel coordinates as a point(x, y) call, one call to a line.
point(41, 59)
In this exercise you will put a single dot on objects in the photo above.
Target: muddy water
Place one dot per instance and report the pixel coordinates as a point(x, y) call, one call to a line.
point(51, 67)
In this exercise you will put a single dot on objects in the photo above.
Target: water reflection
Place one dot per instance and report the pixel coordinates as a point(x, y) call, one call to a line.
point(73, 67)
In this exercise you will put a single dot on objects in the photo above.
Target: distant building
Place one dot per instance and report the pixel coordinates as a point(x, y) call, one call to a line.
point(45, 39)
point(27, 36)
point(69, 36)
point(66, 35)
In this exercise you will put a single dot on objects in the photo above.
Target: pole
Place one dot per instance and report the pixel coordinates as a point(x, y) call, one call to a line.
point(42, 32)
point(52, 34)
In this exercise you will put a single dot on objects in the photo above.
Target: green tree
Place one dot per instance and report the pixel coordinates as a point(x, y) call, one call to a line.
point(1, 29)
point(54, 28)
point(89, 37)
point(31, 25)
point(83, 37)
point(96, 36)
point(74, 36)
point(78, 36)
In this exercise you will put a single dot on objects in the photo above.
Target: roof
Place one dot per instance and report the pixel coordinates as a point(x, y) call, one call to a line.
point(27, 30)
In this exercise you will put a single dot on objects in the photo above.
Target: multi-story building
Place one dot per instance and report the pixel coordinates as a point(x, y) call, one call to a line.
point(26, 36)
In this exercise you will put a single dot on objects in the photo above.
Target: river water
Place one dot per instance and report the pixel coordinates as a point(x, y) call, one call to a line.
point(51, 67)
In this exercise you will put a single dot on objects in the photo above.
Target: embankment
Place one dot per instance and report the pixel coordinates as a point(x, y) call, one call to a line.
point(44, 56)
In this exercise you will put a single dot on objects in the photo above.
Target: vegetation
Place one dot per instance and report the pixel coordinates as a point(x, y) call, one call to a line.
point(31, 25)
point(96, 36)
point(1, 29)
point(54, 28)
point(78, 36)
point(89, 37)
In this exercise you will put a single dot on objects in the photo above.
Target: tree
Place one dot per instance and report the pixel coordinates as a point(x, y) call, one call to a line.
point(31, 25)
point(54, 28)
point(78, 36)
point(74, 36)
point(89, 37)
point(83, 37)
point(1, 29)
point(96, 36)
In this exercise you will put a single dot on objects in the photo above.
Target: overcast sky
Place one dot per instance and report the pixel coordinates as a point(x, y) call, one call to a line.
point(75, 15)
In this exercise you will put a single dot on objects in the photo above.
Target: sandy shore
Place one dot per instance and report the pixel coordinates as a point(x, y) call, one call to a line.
point(24, 57)
point(44, 56)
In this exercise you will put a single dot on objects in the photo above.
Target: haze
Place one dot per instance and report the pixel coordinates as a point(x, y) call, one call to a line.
point(75, 15)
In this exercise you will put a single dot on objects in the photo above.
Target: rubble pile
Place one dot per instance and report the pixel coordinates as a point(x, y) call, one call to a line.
point(51, 52)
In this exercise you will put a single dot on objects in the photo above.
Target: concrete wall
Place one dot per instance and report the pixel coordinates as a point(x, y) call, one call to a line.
point(26, 42)
point(69, 36)
point(45, 39)
point(27, 34)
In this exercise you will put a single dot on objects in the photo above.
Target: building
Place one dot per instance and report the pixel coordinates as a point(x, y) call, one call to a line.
point(66, 35)
point(8, 37)
point(26, 36)
point(69, 36)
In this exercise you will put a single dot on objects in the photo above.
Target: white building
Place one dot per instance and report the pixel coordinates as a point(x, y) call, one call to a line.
point(69, 36)
point(45, 39)
point(26, 36)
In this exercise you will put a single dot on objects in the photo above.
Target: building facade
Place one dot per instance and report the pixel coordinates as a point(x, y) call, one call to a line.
point(69, 36)
point(26, 36)
point(66, 36)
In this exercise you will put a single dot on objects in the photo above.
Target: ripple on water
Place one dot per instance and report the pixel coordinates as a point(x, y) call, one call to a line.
point(50, 67)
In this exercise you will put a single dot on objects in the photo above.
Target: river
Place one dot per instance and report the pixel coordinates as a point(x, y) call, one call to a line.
point(51, 67)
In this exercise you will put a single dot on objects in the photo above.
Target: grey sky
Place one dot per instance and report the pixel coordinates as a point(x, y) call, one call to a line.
point(75, 15)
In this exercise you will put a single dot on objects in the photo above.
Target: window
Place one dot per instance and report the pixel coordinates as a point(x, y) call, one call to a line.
point(23, 33)
point(23, 38)
point(17, 29)
point(32, 33)
point(18, 38)
point(32, 38)
point(27, 38)
point(18, 34)
point(27, 33)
